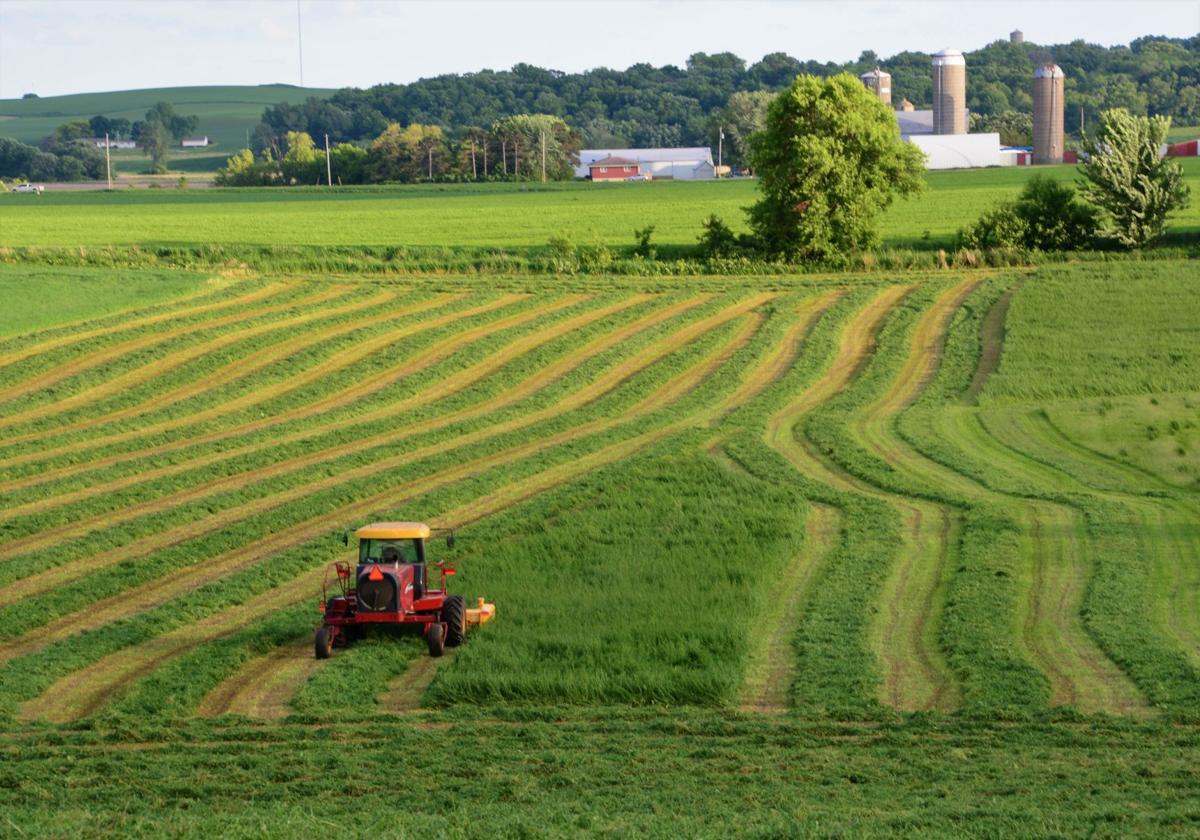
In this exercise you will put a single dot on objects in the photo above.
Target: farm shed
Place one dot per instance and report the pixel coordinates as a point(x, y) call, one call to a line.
point(194, 142)
point(957, 151)
point(686, 164)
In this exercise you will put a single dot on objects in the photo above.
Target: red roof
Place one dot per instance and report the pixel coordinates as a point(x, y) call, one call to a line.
point(613, 161)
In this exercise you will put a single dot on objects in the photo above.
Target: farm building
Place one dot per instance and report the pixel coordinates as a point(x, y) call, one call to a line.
point(98, 142)
point(679, 164)
point(613, 168)
point(194, 142)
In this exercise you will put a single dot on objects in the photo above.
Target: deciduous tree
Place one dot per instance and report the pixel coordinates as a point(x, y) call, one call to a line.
point(1128, 180)
point(829, 160)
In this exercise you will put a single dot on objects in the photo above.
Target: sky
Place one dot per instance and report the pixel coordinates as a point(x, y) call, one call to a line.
point(54, 47)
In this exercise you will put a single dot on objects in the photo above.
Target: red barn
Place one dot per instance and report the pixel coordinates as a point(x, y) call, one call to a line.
point(613, 169)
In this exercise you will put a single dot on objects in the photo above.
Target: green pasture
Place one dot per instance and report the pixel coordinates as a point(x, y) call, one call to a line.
point(226, 112)
point(474, 216)
point(948, 518)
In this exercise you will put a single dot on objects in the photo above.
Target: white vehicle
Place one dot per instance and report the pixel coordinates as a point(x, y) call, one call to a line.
point(33, 188)
point(640, 178)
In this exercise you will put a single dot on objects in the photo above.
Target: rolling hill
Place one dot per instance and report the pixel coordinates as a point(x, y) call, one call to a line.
point(226, 112)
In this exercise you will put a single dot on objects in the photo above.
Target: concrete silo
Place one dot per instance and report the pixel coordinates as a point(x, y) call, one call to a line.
point(1016, 36)
point(949, 92)
point(1048, 114)
point(879, 83)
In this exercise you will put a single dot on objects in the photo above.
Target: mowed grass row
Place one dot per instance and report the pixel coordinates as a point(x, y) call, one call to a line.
point(910, 551)
point(753, 301)
point(657, 401)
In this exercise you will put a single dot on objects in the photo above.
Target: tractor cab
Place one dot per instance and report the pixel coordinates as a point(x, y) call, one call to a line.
point(389, 585)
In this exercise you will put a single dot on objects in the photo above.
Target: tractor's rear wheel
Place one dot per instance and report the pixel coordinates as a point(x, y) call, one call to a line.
point(323, 643)
point(454, 614)
point(436, 636)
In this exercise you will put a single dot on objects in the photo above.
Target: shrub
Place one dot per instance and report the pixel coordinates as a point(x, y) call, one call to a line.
point(1047, 216)
point(643, 248)
point(718, 241)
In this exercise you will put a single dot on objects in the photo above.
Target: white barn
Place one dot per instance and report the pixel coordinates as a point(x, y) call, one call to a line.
point(693, 164)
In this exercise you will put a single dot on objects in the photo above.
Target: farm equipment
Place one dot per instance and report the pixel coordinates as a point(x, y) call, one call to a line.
point(389, 586)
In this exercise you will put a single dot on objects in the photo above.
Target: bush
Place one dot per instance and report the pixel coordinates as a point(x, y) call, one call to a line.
point(1047, 216)
point(1055, 219)
point(718, 241)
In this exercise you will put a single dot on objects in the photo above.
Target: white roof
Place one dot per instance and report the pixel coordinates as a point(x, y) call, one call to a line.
point(683, 155)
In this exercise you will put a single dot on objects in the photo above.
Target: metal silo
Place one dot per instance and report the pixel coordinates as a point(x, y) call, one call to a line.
point(879, 83)
point(1048, 114)
point(949, 92)
point(1016, 36)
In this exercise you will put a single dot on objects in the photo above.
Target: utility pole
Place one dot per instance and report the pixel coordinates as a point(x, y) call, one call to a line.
point(1081, 121)
point(300, 42)
point(107, 160)
point(720, 147)
point(328, 165)
point(504, 155)
point(474, 171)
point(543, 156)
point(516, 159)
point(430, 161)
point(485, 145)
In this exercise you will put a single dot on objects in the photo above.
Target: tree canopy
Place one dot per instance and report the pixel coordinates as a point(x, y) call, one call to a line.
point(1127, 179)
point(646, 106)
point(829, 160)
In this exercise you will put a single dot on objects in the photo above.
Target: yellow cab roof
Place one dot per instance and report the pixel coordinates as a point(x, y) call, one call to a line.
point(393, 531)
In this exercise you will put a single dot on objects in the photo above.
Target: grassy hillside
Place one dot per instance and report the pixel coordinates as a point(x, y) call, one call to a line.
point(226, 113)
point(484, 215)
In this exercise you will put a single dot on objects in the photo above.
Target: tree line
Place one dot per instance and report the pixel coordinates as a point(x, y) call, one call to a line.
point(527, 147)
point(646, 106)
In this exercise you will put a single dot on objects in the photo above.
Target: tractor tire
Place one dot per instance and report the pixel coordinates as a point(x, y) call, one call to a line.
point(436, 638)
point(323, 643)
point(454, 614)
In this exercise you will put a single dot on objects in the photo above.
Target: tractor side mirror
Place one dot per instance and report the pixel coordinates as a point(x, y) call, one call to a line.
point(450, 540)
point(346, 538)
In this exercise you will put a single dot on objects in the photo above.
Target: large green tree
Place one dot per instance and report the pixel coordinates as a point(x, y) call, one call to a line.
point(829, 160)
point(1127, 178)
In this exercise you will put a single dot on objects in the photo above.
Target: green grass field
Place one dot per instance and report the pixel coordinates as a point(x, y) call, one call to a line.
point(852, 554)
point(226, 113)
point(474, 216)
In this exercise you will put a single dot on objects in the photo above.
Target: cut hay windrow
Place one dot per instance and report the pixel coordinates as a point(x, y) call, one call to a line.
point(43, 342)
point(18, 392)
point(264, 685)
point(158, 394)
point(181, 579)
point(508, 396)
point(109, 519)
point(88, 689)
point(182, 433)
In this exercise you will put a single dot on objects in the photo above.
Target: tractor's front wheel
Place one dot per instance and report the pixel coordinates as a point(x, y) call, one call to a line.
point(436, 637)
point(454, 614)
point(323, 643)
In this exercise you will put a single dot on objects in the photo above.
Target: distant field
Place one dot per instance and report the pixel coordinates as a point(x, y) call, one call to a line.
point(499, 215)
point(225, 112)
point(1179, 133)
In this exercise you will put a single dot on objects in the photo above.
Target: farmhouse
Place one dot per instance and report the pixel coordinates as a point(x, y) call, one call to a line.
point(194, 142)
point(613, 168)
point(679, 164)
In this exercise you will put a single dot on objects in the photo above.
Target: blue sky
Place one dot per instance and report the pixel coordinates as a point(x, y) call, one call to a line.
point(71, 46)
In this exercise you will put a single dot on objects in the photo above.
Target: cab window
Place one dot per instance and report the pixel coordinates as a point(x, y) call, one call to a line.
point(391, 551)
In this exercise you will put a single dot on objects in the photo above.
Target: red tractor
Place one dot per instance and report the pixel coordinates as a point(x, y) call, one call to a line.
point(390, 587)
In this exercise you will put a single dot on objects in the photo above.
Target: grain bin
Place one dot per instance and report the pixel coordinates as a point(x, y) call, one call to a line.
point(949, 92)
point(1016, 36)
point(1048, 114)
point(879, 83)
